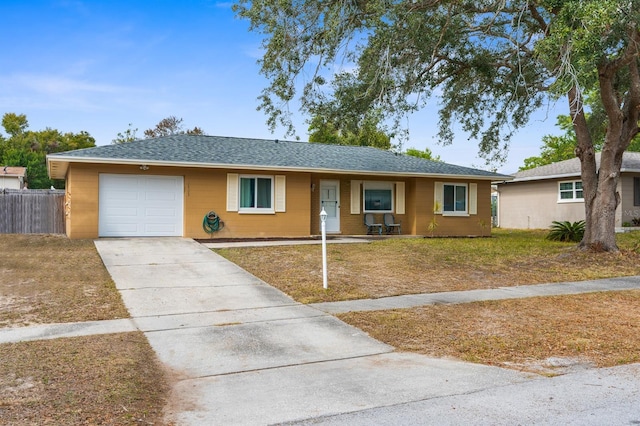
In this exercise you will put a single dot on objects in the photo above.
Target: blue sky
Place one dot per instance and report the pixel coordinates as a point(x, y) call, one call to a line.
point(100, 65)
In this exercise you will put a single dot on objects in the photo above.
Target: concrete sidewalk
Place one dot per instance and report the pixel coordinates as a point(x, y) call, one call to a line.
point(457, 297)
point(248, 354)
point(158, 322)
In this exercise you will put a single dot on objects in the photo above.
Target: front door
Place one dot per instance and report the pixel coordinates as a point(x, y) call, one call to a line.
point(330, 200)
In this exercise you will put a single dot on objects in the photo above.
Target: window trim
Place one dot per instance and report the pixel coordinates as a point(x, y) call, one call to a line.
point(378, 185)
point(256, 210)
point(573, 192)
point(466, 200)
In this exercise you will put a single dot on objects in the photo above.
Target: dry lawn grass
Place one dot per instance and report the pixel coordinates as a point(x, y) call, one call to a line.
point(95, 380)
point(49, 278)
point(538, 334)
point(548, 335)
point(106, 379)
point(407, 266)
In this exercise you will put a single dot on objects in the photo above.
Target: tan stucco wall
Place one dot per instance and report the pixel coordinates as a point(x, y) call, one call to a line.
point(205, 190)
point(534, 205)
point(350, 224)
point(419, 200)
point(472, 225)
point(82, 201)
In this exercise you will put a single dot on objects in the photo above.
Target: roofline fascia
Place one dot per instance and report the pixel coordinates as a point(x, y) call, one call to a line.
point(254, 167)
point(549, 177)
point(623, 170)
point(559, 176)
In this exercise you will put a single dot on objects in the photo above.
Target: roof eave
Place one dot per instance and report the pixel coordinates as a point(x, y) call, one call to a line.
point(561, 176)
point(64, 161)
point(549, 177)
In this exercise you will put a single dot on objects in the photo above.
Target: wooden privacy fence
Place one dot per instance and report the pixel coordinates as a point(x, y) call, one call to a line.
point(32, 211)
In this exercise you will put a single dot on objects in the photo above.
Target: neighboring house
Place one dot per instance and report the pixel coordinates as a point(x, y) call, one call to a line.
point(12, 177)
point(263, 189)
point(537, 197)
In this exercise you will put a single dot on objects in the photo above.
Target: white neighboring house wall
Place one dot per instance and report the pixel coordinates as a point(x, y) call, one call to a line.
point(12, 177)
point(629, 208)
point(535, 205)
point(532, 201)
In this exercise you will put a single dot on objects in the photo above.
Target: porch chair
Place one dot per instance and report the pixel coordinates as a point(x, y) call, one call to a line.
point(371, 225)
point(390, 223)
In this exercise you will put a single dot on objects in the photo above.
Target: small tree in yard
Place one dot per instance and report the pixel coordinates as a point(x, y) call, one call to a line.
point(492, 62)
point(171, 126)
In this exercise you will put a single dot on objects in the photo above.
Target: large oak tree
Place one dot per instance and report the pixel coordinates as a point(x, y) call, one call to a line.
point(490, 62)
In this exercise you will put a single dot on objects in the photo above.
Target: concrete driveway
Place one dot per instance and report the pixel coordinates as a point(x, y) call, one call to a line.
point(245, 353)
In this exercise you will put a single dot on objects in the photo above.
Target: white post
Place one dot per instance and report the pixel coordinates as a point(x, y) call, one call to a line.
point(323, 228)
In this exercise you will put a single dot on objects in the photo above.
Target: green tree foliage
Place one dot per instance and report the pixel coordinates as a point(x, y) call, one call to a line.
point(426, 154)
point(364, 133)
point(491, 62)
point(128, 135)
point(27, 148)
point(555, 148)
point(14, 124)
point(563, 147)
point(170, 126)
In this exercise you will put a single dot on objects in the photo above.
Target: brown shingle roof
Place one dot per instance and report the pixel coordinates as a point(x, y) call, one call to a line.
point(13, 171)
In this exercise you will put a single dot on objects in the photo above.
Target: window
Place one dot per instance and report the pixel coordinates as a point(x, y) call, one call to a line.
point(256, 194)
point(636, 191)
point(570, 191)
point(454, 198)
point(378, 197)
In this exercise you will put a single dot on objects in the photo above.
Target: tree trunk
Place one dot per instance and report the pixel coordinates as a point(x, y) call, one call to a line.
point(600, 185)
point(600, 211)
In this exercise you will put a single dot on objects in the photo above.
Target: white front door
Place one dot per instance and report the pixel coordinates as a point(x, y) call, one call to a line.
point(330, 200)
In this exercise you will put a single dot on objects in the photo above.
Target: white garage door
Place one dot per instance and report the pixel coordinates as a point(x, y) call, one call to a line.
point(140, 206)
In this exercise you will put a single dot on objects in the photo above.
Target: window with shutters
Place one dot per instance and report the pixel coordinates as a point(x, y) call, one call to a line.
point(256, 194)
point(378, 197)
point(454, 198)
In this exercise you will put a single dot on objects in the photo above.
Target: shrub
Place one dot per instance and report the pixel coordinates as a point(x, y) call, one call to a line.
point(566, 231)
point(636, 221)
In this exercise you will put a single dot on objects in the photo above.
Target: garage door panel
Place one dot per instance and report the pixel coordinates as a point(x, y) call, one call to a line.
point(133, 205)
point(115, 212)
point(121, 194)
point(161, 213)
point(151, 228)
point(157, 196)
point(122, 229)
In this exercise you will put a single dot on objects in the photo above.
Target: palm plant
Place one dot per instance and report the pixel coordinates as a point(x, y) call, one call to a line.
point(566, 231)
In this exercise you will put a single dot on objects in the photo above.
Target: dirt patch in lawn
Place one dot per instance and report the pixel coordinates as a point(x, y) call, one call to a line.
point(407, 266)
point(108, 380)
point(548, 335)
point(112, 379)
point(50, 279)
